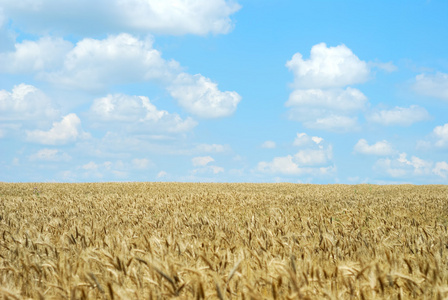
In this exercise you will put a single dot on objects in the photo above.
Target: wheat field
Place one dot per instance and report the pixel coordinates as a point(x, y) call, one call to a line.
point(223, 241)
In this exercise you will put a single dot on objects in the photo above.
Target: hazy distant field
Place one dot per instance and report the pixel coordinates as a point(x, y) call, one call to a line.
point(227, 241)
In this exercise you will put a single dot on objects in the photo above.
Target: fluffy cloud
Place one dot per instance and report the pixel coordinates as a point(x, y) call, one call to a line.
point(379, 148)
point(138, 113)
point(66, 131)
point(328, 67)
point(321, 99)
point(105, 16)
point(348, 100)
point(401, 166)
point(44, 54)
point(315, 159)
point(438, 138)
point(93, 65)
point(432, 85)
point(303, 139)
point(441, 169)
point(401, 116)
point(201, 160)
point(201, 97)
point(25, 103)
point(54, 155)
point(441, 135)
point(268, 145)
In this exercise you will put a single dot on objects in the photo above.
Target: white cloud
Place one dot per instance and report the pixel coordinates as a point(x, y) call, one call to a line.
point(179, 16)
point(388, 67)
point(66, 131)
point(348, 100)
point(441, 169)
point(328, 67)
point(315, 159)
point(166, 17)
point(45, 54)
point(402, 167)
point(321, 99)
point(379, 148)
point(302, 139)
point(208, 169)
point(137, 113)
point(268, 145)
point(94, 64)
point(201, 160)
point(212, 148)
point(438, 138)
point(162, 174)
point(334, 123)
point(317, 139)
point(287, 166)
point(401, 116)
point(432, 85)
point(201, 97)
point(50, 155)
point(141, 163)
point(441, 135)
point(25, 103)
point(90, 166)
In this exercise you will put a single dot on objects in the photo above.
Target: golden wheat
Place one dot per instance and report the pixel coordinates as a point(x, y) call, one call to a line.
point(223, 241)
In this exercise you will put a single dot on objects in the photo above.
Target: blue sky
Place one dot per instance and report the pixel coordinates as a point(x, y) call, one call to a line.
point(224, 91)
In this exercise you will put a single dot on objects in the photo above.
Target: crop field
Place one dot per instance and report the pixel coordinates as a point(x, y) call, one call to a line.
point(223, 241)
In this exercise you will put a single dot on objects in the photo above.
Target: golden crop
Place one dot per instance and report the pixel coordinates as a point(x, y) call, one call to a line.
point(225, 241)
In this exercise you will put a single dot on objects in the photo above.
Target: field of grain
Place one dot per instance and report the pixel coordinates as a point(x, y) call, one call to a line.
point(223, 241)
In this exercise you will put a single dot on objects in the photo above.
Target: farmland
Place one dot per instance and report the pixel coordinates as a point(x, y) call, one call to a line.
point(223, 241)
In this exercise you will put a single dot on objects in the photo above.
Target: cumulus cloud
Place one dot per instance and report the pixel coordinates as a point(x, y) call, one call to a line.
point(328, 67)
point(107, 16)
point(441, 169)
point(201, 160)
point(401, 116)
point(268, 145)
point(401, 166)
point(303, 139)
point(201, 97)
point(138, 113)
point(321, 98)
point(432, 85)
point(53, 155)
point(441, 135)
point(66, 131)
point(25, 103)
point(316, 159)
point(45, 54)
point(344, 100)
point(94, 65)
point(381, 148)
